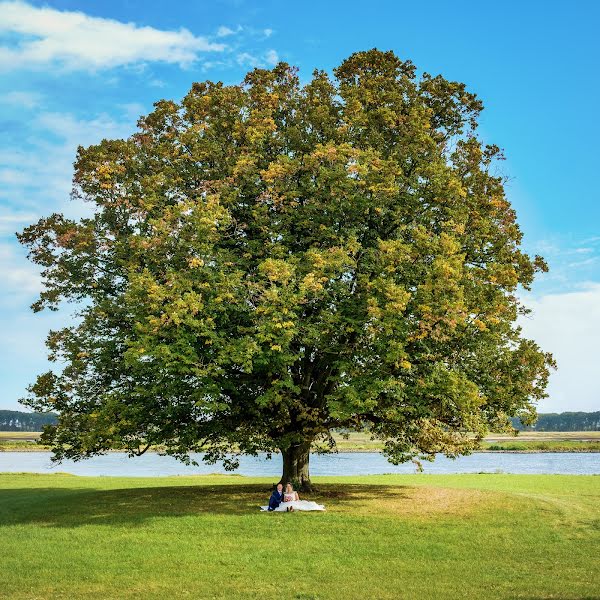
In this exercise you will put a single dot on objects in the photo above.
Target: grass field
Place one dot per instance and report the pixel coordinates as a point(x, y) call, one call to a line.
point(536, 441)
point(527, 441)
point(382, 537)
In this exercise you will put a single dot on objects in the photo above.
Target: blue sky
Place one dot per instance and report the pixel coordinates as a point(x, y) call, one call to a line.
point(74, 72)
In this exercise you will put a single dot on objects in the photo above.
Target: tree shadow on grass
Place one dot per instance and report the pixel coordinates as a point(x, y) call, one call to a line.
point(74, 507)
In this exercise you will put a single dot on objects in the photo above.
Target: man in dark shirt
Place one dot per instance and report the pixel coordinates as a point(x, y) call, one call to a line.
point(276, 497)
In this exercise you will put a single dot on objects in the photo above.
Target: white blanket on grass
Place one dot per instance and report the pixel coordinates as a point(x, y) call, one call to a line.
point(298, 505)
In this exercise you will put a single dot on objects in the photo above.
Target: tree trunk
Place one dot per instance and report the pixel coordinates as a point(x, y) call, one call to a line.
point(295, 467)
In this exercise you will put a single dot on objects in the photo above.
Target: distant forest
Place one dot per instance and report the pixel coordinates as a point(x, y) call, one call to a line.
point(14, 420)
point(567, 421)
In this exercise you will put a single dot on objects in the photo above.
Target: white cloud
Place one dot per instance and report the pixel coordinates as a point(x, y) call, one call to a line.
point(585, 262)
point(271, 57)
point(12, 177)
point(81, 42)
point(591, 240)
point(11, 222)
point(20, 279)
point(22, 99)
point(247, 59)
point(82, 131)
point(267, 32)
point(37, 177)
point(133, 110)
point(568, 326)
point(570, 261)
point(224, 31)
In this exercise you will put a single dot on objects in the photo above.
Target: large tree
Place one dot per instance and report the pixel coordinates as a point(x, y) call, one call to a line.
point(269, 262)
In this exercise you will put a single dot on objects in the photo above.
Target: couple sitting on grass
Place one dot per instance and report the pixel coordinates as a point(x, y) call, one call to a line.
point(289, 501)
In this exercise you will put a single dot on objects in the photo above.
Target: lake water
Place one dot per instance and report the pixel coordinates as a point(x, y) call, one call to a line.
point(344, 463)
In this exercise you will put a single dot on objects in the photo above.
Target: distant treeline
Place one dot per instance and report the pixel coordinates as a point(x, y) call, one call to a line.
point(567, 421)
point(15, 420)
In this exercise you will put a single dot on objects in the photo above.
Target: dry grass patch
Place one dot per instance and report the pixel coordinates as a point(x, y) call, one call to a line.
point(20, 435)
point(403, 500)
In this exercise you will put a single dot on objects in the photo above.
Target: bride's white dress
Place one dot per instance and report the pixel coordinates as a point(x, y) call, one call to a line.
point(297, 504)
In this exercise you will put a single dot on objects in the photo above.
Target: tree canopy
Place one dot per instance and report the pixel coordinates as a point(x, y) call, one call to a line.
point(270, 261)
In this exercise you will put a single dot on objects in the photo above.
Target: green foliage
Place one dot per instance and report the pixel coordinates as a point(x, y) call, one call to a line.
point(270, 261)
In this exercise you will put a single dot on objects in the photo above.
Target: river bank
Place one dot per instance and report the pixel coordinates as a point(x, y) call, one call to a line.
point(526, 442)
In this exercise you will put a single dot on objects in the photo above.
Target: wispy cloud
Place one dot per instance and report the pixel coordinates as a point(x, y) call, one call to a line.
point(586, 262)
point(11, 222)
point(39, 36)
point(592, 240)
point(36, 178)
point(22, 99)
point(20, 279)
point(271, 57)
point(247, 59)
point(570, 260)
point(224, 31)
point(133, 110)
point(14, 176)
point(82, 131)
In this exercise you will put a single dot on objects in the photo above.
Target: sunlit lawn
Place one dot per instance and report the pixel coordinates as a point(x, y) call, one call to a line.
point(400, 536)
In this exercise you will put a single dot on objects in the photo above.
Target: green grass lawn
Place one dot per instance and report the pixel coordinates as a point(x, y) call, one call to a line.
point(395, 536)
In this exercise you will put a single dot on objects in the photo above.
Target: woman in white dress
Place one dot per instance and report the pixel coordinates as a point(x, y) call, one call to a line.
point(290, 496)
point(291, 501)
